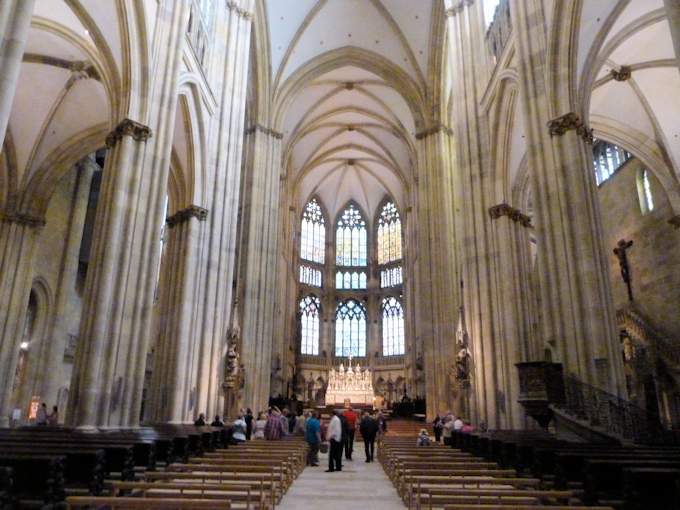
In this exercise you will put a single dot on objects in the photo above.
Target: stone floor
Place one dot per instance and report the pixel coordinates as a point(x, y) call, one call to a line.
point(359, 485)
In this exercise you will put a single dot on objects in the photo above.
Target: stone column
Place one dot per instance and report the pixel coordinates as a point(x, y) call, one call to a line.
point(576, 302)
point(175, 372)
point(18, 233)
point(260, 276)
point(493, 355)
point(108, 374)
point(435, 281)
point(231, 51)
point(512, 306)
point(51, 352)
point(15, 21)
point(673, 13)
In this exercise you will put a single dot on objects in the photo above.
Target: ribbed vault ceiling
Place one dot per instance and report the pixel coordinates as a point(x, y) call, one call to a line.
point(348, 131)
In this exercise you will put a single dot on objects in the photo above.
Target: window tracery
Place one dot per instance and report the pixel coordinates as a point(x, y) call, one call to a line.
point(350, 329)
point(351, 238)
point(607, 159)
point(310, 308)
point(392, 327)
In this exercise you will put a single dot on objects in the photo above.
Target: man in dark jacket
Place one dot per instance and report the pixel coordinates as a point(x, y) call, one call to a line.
point(368, 428)
point(345, 431)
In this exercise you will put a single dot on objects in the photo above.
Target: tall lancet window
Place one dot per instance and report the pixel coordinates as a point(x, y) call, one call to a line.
point(389, 246)
point(310, 310)
point(312, 244)
point(350, 329)
point(351, 250)
point(392, 327)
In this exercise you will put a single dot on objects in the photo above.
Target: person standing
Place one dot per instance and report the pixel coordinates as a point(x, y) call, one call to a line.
point(260, 424)
point(369, 429)
point(351, 418)
point(53, 419)
point(437, 428)
point(41, 415)
point(238, 434)
point(382, 426)
point(274, 430)
point(334, 437)
point(313, 439)
point(249, 423)
point(447, 430)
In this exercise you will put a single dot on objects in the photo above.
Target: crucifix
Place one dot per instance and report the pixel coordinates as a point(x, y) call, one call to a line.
point(620, 252)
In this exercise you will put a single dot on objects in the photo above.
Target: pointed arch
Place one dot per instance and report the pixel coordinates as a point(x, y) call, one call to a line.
point(351, 236)
point(310, 314)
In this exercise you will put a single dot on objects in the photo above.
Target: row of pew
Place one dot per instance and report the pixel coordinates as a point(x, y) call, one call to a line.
point(46, 467)
point(249, 476)
point(439, 477)
point(629, 477)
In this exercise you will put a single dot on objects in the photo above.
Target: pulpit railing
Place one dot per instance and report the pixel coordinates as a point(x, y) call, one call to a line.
point(605, 410)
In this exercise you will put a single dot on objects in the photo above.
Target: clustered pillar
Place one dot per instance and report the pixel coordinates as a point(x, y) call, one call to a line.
point(577, 312)
point(436, 282)
point(260, 252)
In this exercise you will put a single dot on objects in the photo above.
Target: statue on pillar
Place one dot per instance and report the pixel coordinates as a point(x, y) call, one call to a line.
point(233, 371)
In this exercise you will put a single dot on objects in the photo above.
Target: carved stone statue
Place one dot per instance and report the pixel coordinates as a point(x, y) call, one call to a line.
point(232, 361)
point(463, 364)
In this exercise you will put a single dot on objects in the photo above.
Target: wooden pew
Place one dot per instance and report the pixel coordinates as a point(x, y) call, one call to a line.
point(266, 483)
point(525, 507)
point(147, 503)
point(36, 477)
point(83, 467)
point(651, 487)
point(6, 487)
point(441, 496)
point(241, 495)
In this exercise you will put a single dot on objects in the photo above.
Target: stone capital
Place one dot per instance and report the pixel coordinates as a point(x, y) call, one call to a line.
point(567, 122)
point(193, 211)
point(265, 130)
point(434, 129)
point(22, 219)
point(238, 10)
point(675, 221)
point(514, 214)
point(128, 127)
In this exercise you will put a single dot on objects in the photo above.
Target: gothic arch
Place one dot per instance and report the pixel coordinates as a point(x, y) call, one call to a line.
point(357, 57)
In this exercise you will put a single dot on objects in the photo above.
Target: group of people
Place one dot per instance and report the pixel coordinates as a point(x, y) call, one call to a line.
point(339, 435)
point(42, 418)
point(445, 427)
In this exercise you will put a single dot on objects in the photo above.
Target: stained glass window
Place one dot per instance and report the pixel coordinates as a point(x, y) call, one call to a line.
point(350, 329)
point(607, 159)
point(645, 192)
point(389, 234)
point(310, 308)
point(350, 238)
point(390, 277)
point(313, 233)
point(392, 327)
point(346, 280)
point(310, 276)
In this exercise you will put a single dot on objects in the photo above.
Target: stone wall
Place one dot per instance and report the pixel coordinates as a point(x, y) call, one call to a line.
point(654, 257)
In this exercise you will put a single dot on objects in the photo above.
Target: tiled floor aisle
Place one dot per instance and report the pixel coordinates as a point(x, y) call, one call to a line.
point(358, 485)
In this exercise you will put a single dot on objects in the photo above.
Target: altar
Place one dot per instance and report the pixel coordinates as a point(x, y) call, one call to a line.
point(350, 384)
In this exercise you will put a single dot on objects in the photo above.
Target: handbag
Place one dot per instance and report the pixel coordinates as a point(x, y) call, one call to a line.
point(323, 447)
